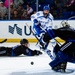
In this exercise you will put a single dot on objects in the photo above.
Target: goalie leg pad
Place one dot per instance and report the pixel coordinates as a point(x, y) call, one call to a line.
point(60, 57)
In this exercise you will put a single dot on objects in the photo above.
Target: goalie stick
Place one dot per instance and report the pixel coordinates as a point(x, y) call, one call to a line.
point(66, 21)
point(46, 50)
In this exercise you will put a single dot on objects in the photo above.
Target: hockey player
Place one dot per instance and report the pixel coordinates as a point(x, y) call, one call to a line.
point(19, 49)
point(42, 21)
point(66, 52)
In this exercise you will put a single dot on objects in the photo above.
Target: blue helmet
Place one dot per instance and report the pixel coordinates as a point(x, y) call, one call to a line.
point(46, 8)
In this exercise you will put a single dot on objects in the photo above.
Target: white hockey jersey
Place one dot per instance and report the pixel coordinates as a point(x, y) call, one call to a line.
point(45, 22)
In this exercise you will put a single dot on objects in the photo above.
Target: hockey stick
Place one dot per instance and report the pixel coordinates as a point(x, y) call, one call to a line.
point(3, 41)
point(53, 38)
point(66, 21)
point(33, 32)
point(70, 18)
point(46, 50)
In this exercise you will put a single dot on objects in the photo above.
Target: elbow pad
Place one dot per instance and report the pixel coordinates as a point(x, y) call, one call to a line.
point(36, 22)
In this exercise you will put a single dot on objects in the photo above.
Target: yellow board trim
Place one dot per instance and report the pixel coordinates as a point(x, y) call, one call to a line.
point(14, 40)
point(11, 40)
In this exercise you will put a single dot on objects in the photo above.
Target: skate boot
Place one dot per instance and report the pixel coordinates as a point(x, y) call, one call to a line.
point(56, 68)
point(60, 68)
point(63, 67)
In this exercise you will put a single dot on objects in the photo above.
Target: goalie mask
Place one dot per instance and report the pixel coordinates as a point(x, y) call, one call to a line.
point(64, 23)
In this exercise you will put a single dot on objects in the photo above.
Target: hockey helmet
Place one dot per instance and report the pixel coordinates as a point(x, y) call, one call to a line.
point(46, 8)
point(23, 41)
point(65, 23)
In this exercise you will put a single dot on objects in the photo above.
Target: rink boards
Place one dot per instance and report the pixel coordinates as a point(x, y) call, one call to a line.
point(16, 30)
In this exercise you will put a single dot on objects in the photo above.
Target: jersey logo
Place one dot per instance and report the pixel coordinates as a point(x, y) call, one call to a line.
point(38, 14)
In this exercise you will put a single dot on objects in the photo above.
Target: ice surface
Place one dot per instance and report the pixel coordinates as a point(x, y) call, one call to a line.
point(22, 65)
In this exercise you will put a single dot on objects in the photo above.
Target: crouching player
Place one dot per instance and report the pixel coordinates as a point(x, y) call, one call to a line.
point(64, 53)
point(19, 49)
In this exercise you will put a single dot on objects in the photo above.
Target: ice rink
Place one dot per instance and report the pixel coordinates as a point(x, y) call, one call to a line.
point(22, 65)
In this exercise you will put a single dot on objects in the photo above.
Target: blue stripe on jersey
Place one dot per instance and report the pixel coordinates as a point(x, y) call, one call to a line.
point(50, 33)
point(43, 16)
point(40, 17)
point(15, 46)
point(65, 46)
point(13, 54)
point(50, 18)
point(53, 32)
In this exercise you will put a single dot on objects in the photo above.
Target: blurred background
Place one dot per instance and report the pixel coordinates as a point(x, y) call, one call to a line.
point(23, 9)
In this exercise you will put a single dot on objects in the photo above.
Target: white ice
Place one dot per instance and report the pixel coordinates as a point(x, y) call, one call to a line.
point(22, 65)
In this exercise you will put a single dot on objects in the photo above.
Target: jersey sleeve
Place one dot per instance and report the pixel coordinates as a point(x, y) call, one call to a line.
point(33, 17)
point(50, 24)
point(36, 15)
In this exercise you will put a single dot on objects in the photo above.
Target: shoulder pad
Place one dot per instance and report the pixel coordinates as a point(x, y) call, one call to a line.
point(39, 13)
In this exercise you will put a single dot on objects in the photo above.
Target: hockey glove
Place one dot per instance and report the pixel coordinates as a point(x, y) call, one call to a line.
point(36, 22)
point(36, 52)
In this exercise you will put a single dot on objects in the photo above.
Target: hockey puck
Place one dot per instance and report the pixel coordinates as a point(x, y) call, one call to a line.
point(32, 63)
